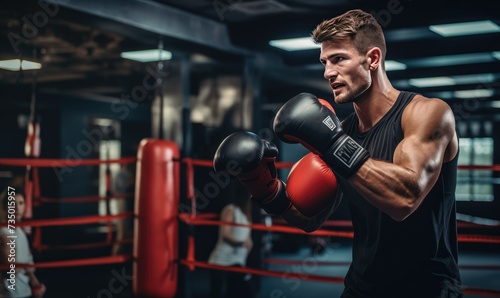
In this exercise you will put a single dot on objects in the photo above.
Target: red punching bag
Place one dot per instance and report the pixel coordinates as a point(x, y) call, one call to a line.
point(156, 227)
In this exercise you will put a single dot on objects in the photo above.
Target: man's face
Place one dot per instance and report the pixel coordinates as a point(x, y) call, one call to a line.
point(346, 70)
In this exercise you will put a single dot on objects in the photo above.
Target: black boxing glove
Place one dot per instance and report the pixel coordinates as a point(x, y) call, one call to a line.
point(312, 122)
point(252, 160)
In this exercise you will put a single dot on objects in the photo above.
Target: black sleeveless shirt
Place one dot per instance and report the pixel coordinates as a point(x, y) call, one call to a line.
point(413, 258)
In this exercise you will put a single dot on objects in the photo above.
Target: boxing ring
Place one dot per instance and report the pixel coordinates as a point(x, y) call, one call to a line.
point(157, 215)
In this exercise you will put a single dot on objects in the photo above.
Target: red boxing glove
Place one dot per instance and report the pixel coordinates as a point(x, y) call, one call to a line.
point(312, 185)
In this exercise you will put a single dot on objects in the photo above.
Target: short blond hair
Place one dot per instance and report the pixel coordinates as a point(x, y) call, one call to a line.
point(359, 26)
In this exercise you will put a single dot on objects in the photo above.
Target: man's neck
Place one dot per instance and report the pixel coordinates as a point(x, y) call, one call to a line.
point(375, 102)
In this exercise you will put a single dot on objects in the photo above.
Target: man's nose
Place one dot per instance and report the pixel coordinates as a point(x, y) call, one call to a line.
point(330, 72)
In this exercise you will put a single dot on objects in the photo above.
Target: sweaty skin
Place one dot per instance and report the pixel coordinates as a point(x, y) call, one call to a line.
point(430, 139)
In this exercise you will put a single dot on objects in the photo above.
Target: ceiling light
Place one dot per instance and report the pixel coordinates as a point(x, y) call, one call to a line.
point(432, 82)
point(147, 55)
point(496, 55)
point(469, 28)
point(200, 58)
point(447, 60)
point(295, 44)
point(441, 94)
point(475, 93)
point(394, 65)
point(482, 78)
point(102, 121)
point(17, 64)
point(495, 104)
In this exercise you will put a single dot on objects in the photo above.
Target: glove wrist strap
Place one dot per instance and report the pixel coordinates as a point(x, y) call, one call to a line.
point(346, 156)
point(277, 205)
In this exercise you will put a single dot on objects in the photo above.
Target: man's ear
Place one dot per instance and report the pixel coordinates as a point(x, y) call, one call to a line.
point(374, 58)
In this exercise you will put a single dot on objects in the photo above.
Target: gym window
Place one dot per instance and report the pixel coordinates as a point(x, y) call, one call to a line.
point(108, 149)
point(475, 185)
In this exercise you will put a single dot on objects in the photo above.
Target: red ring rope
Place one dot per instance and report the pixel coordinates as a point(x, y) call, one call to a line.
point(73, 263)
point(85, 245)
point(310, 277)
point(348, 223)
point(295, 262)
point(47, 162)
point(278, 228)
point(286, 164)
point(84, 199)
point(80, 220)
point(478, 239)
point(480, 292)
point(271, 273)
point(337, 263)
point(59, 163)
point(321, 232)
point(479, 167)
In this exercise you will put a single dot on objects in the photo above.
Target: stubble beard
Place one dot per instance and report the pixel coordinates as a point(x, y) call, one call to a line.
point(350, 95)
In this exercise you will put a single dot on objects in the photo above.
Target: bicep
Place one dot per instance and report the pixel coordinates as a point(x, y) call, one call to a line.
point(428, 130)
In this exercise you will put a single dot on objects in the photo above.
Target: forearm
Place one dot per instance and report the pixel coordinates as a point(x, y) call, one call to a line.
point(389, 187)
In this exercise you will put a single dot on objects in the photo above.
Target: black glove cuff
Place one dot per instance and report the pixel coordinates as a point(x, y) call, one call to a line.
point(346, 156)
point(279, 204)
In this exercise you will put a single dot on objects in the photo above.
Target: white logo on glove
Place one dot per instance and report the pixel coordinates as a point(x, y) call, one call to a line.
point(329, 123)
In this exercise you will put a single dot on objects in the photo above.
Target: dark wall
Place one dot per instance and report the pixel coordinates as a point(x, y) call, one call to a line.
point(14, 117)
point(66, 133)
point(79, 139)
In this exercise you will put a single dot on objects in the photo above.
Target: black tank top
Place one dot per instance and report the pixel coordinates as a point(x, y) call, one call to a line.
point(413, 258)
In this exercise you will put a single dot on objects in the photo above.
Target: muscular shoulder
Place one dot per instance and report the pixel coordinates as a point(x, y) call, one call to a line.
point(421, 103)
point(428, 112)
point(431, 120)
